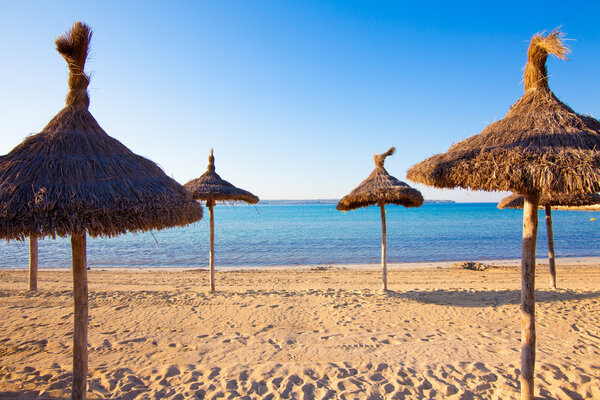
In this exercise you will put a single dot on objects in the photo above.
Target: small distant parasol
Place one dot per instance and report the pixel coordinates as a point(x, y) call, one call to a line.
point(381, 188)
point(548, 201)
point(211, 188)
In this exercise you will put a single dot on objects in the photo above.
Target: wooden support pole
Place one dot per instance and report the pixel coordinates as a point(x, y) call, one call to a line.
point(551, 261)
point(80, 327)
point(211, 254)
point(33, 262)
point(530, 222)
point(383, 249)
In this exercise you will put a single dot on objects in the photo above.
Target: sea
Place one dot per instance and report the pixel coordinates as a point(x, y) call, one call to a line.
point(317, 234)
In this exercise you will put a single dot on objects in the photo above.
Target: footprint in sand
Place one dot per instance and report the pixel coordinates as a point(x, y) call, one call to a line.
point(389, 388)
point(243, 376)
point(214, 372)
point(309, 391)
point(377, 377)
point(296, 380)
point(106, 345)
point(231, 384)
point(266, 328)
point(275, 384)
point(137, 340)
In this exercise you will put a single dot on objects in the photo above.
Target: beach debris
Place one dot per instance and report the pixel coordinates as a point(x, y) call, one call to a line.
point(472, 265)
point(73, 179)
point(321, 268)
point(540, 146)
point(381, 188)
point(211, 188)
point(548, 201)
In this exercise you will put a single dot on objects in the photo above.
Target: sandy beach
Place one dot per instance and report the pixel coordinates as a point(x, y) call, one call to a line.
point(303, 333)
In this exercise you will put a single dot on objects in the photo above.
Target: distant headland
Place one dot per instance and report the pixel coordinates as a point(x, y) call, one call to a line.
point(328, 201)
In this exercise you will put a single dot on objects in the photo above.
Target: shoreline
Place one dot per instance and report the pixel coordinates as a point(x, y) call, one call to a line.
point(514, 262)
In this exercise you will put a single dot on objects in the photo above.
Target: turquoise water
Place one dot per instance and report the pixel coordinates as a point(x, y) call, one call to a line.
point(265, 235)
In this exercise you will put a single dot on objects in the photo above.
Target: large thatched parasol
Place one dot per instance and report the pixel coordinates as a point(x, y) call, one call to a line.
point(72, 178)
point(381, 188)
point(211, 188)
point(541, 145)
point(549, 201)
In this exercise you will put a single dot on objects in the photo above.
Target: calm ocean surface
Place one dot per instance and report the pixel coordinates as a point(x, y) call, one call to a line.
point(265, 235)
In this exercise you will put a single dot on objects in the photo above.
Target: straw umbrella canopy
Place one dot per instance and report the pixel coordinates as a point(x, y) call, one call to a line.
point(72, 179)
point(541, 145)
point(381, 188)
point(516, 201)
point(549, 201)
point(211, 188)
point(33, 260)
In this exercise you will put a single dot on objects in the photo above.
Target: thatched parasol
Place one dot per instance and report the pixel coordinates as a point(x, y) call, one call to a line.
point(211, 188)
point(381, 188)
point(549, 201)
point(516, 201)
point(72, 179)
point(541, 145)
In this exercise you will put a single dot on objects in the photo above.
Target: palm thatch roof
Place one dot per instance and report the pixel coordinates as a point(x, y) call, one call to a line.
point(540, 145)
point(73, 177)
point(211, 187)
point(381, 187)
point(553, 200)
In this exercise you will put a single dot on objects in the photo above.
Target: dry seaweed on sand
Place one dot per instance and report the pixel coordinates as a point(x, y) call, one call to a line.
point(471, 265)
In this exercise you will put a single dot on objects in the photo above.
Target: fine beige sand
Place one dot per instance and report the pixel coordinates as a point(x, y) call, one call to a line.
point(303, 333)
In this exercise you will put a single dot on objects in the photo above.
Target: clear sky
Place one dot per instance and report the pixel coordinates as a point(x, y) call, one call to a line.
point(294, 96)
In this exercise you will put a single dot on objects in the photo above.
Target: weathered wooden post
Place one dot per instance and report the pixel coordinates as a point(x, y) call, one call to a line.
point(383, 248)
point(211, 255)
point(551, 262)
point(530, 222)
point(80, 323)
point(33, 262)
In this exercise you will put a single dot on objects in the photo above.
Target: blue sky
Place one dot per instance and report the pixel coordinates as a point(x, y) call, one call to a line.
point(294, 96)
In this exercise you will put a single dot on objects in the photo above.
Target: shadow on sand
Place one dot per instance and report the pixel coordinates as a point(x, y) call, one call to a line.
point(486, 298)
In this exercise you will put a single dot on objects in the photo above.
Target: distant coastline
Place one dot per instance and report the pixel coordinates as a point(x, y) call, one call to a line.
point(331, 201)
